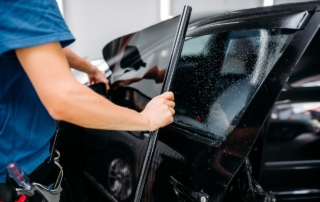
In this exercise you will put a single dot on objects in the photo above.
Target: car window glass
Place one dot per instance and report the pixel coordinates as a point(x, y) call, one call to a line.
point(218, 74)
point(198, 46)
point(293, 133)
point(307, 72)
point(140, 60)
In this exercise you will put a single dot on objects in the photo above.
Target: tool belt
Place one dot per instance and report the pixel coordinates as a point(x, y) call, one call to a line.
point(46, 181)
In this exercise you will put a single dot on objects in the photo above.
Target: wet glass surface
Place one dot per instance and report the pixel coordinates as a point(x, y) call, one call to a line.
point(218, 74)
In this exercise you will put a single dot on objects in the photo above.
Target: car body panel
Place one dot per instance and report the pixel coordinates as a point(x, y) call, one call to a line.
point(290, 160)
point(190, 163)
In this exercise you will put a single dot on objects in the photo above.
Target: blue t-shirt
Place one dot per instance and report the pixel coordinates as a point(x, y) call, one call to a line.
point(25, 125)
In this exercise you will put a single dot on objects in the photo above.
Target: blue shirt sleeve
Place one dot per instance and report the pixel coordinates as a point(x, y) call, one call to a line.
point(26, 23)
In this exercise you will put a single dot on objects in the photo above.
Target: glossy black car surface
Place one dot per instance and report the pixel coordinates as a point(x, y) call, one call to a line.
point(234, 99)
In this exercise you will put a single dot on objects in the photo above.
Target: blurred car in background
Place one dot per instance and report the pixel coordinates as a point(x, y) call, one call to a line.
point(246, 87)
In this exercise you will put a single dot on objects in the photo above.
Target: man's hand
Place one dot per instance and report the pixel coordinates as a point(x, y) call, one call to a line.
point(159, 111)
point(78, 63)
point(68, 100)
point(97, 76)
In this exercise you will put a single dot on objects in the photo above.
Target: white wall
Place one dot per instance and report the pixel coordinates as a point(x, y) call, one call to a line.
point(289, 1)
point(96, 22)
point(213, 5)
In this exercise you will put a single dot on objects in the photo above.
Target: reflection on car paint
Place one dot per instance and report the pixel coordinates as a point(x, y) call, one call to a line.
point(120, 179)
point(139, 60)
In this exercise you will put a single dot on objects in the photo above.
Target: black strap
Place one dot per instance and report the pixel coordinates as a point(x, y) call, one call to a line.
point(8, 192)
point(55, 142)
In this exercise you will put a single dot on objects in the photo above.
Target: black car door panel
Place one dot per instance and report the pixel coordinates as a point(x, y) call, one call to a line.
point(225, 85)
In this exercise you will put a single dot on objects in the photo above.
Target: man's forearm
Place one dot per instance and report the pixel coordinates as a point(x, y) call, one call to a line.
point(78, 62)
point(68, 100)
point(81, 106)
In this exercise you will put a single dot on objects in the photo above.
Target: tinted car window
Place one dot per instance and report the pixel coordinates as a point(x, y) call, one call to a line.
point(307, 72)
point(218, 74)
point(293, 133)
point(139, 60)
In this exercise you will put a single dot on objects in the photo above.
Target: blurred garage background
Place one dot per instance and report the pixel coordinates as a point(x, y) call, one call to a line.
point(94, 23)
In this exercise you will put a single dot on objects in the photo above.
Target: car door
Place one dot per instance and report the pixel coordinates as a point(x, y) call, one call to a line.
point(227, 80)
point(230, 73)
point(290, 161)
point(113, 159)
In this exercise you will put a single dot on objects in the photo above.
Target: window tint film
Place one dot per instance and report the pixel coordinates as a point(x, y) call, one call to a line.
point(140, 60)
point(218, 74)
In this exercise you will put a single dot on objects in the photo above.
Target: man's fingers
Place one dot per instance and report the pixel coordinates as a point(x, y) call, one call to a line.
point(167, 96)
point(170, 103)
point(160, 110)
point(107, 85)
point(170, 121)
point(172, 111)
